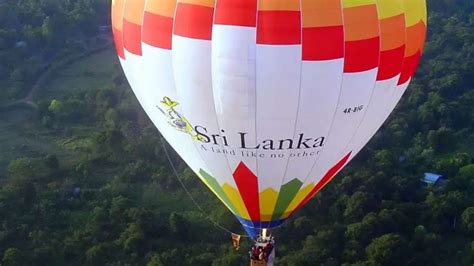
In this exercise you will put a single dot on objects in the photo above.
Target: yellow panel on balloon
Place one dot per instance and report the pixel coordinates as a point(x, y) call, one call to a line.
point(236, 200)
point(267, 200)
point(389, 8)
point(355, 3)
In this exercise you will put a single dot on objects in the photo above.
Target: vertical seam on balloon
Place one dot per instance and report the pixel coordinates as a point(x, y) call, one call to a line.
point(143, 26)
point(338, 99)
point(123, 35)
point(177, 95)
point(122, 17)
point(406, 41)
point(126, 63)
point(296, 115)
point(114, 31)
point(387, 109)
point(215, 111)
point(373, 89)
point(393, 94)
point(399, 86)
point(256, 97)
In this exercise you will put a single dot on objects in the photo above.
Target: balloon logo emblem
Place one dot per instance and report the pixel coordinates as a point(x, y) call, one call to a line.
point(177, 120)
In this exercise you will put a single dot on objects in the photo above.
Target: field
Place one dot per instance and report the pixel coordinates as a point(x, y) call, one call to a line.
point(86, 74)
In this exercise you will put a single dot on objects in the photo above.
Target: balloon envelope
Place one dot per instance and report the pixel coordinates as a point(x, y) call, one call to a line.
point(268, 100)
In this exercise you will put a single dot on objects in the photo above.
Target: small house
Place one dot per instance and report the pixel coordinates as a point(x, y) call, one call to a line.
point(433, 179)
point(21, 44)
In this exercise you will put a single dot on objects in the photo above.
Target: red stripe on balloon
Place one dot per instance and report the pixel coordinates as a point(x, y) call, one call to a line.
point(409, 67)
point(323, 43)
point(157, 30)
point(361, 55)
point(391, 63)
point(247, 184)
point(132, 37)
point(326, 178)
point(194, 21)
point(119, 43)
point(279, 27)
point(236, 13)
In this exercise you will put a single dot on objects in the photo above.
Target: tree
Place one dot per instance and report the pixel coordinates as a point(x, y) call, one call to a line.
point(154, 261)
point(111, 118)
point(356, 205)
point(363, 231)
point(132, 237)
point(441, 139)
point(56, 106)
point(389, 249)
point(100, 254)
point(467, 171)
point(468, 220)
point(13, 257)
point(447, 205)
point(52, 162)
point(384, 160)
point(27, 168)
point(22, 175)
point(178, 226)
point(231, 259)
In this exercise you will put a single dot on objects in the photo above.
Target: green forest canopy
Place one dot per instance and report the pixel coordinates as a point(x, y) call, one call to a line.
point(131, 211)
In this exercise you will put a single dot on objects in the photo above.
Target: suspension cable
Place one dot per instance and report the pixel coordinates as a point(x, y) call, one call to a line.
point(175, 172)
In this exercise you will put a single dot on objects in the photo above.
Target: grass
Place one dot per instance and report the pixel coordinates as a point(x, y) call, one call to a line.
point(86, 74)
point(21, 134)
point(19, 137)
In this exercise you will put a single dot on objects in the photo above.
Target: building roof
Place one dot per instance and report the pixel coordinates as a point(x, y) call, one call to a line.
point(431, 178)
point(21, 44)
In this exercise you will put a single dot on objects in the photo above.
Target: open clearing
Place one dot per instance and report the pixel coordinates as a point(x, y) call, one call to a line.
point(20, 132)
point(89, 73)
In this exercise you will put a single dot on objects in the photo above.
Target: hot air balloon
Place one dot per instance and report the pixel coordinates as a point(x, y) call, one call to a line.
point(267, 100)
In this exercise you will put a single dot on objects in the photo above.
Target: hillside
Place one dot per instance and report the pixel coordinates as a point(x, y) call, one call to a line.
point(84, 178)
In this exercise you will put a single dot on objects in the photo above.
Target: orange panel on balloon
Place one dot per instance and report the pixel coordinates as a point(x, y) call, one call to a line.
point(361, 23)
point(164, 8)
point(415, 38)
point(321, 13)
point(283, 5)
point(392, 32)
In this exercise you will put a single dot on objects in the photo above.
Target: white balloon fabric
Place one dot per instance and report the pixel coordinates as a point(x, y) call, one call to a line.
point(267, 100)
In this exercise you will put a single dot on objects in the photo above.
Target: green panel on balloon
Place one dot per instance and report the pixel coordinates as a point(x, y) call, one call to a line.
point(216, 188)
point(287, 192)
